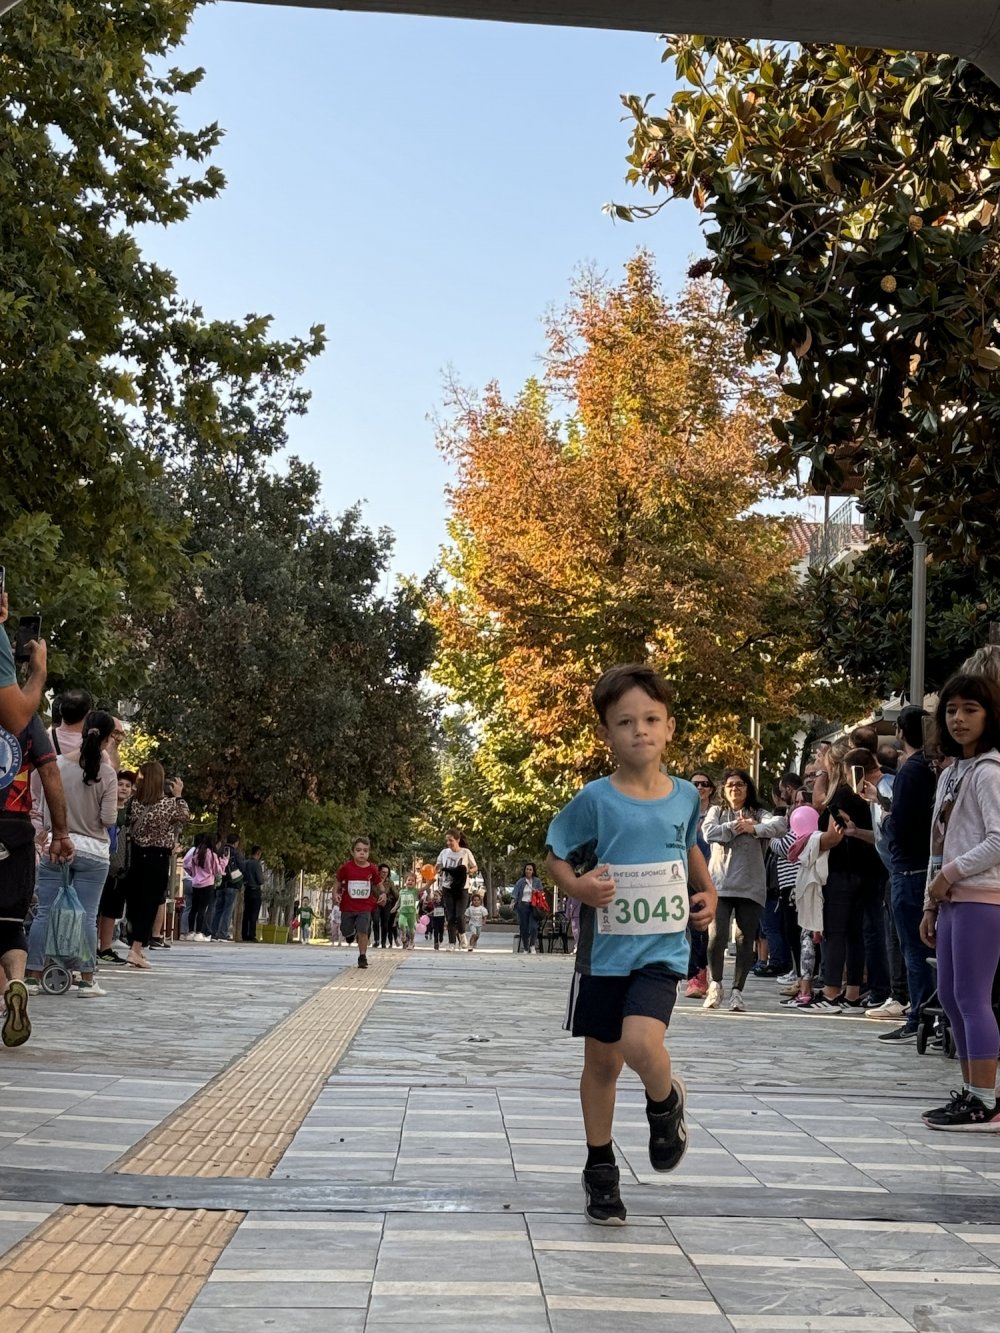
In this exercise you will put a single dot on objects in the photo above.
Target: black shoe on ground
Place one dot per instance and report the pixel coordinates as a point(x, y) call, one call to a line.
point(16, 1024)
point(964, 1112)
point(109, 956)
point(668, 1133)
point(362, 960)
point(604, 1205)
point(899, 1034)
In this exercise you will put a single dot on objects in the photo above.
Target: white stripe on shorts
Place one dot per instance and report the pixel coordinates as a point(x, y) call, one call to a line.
point(574, 995)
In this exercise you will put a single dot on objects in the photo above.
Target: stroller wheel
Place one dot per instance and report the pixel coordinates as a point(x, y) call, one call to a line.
point(56, 979)
point(922, 1039)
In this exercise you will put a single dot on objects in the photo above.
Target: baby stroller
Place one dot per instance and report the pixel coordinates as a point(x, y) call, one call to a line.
point(934, 1026)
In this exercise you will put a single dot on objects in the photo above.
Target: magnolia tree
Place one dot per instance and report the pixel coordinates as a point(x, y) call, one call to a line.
point(850, 208)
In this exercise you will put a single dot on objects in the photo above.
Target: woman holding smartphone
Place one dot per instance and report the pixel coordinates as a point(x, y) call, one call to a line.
point(845, 823)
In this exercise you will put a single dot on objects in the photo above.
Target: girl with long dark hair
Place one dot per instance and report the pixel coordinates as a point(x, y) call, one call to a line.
point(736, 831)
point(90, 785)
point(962, 903)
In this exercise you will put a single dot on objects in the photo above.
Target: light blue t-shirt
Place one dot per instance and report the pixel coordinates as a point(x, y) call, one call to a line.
point(650, 841)
point(8, 670)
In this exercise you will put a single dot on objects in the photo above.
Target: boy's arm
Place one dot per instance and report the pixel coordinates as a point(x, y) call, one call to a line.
point(701, 891)
point(596, 888)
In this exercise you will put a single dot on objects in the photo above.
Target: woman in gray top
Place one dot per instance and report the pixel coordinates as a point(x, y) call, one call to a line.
point(736, 832)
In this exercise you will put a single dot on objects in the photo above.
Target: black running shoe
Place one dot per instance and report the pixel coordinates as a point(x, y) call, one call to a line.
point(16, 1025)
point(604, 1205)
point(668, 1133)
point(964, 1111)
point(362, 960)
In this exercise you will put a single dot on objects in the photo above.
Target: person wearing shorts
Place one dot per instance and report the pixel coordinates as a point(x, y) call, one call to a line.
point(30, 751)
point(359, 884)
point(626, 848)
point(476, 917)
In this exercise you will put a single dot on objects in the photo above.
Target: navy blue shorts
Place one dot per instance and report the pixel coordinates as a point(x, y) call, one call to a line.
point(599, 1005)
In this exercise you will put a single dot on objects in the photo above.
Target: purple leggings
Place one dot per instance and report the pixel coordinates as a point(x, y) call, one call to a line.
point(968, 951)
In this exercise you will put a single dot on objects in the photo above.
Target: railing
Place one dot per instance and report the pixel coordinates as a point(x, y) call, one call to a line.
point(836, 536)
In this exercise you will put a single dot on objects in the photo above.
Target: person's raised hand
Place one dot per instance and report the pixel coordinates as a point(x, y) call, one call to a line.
point(596, 888)
point(39, 659)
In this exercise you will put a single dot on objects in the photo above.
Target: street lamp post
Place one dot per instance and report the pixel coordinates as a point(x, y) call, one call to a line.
point(918, 608)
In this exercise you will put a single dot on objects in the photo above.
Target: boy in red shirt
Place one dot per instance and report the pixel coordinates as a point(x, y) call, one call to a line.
point(359, 884)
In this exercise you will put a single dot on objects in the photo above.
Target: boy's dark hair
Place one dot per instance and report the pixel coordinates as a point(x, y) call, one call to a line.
point(977, 689)
point(911, 724)
point(864, 738)
point(861, 757)
point(75, 705)
point(888, 757)
point(633, 675)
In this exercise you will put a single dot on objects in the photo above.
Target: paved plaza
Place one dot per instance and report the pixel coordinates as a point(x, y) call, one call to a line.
point(258, 1137)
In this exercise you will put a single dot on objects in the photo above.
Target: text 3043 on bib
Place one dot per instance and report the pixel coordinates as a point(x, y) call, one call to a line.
point(650, 899)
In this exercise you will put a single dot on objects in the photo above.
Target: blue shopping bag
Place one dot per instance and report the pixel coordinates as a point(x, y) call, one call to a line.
point(66, 936)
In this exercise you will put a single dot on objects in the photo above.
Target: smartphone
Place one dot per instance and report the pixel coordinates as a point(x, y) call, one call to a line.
point(857, 777)
point(29, 628)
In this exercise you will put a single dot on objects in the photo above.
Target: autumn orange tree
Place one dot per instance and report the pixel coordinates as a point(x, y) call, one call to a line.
point(604, 515)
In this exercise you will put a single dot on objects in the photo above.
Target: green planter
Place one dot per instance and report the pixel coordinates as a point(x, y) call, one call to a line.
point(273, 934)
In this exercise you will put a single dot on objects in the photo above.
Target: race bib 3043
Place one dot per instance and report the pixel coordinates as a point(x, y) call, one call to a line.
point(650, 899)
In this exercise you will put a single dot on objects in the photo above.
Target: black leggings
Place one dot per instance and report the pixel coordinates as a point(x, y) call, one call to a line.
point(747, 915)
point(201, 896)
point(843, 929)
point(455, 903)
point(146, 890)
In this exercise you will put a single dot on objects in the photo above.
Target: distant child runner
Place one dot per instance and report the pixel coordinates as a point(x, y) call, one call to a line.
point(408, 912)
point(333, 924)
point(962, 899)
point(476, 916)
point(625, 846)
point(359, 884)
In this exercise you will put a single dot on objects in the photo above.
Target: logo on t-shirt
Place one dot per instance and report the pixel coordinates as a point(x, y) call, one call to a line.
point(11, 758)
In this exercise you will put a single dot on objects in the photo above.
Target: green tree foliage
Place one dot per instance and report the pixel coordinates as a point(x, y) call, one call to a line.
point(850, 200)
point(91, 146)
point(281, 674)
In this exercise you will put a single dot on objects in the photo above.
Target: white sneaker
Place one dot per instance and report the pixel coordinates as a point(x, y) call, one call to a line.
point(889, 1009)
point(736, 1005)
point(86, 989)
point(714, 997)
point(788, 978)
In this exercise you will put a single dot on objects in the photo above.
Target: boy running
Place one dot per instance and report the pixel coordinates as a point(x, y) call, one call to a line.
point(625, 847)
point(476, 916)
point(359, 884)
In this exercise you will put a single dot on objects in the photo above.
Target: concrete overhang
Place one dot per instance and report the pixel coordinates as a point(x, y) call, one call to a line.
point(969, 28)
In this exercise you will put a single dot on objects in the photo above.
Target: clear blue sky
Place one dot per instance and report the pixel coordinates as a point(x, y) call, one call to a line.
point(423, 187)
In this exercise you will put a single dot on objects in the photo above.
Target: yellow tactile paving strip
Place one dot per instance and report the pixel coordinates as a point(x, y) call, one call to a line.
point(133, 1270)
